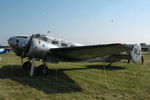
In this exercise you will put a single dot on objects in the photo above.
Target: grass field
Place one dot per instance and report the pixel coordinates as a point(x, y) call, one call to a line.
point(75, 81)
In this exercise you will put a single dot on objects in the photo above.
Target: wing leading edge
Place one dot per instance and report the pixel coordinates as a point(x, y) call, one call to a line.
point(87, 52)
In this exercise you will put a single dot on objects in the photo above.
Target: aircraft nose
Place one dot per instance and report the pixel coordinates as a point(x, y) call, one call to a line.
point(10, 40)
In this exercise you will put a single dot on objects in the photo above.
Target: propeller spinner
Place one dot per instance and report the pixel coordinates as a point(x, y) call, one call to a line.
point(136, 53)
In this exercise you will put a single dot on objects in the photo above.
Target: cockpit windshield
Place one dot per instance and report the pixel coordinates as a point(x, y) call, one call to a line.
point(37, 35)
point(41, 37)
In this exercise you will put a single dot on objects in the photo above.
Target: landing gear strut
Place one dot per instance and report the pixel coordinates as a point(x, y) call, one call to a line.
point(32, 67)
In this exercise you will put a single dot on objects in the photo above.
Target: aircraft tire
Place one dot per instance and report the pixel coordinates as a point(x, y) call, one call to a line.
point(42, 70)
point(27, 65)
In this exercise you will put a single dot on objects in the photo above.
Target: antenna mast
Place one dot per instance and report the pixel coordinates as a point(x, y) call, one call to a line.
point(48, 32)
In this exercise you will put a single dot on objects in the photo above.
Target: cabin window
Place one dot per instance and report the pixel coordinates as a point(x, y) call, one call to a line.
point(44, 38)
point(64, 44)
point(72, 46)
point(54, 42)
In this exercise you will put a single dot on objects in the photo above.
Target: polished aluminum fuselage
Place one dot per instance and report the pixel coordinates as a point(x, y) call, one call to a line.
point(39, 47)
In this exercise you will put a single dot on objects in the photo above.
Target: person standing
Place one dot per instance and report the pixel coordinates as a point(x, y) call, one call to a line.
point(142, 58)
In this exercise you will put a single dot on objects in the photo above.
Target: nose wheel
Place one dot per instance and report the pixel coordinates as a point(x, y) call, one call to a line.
point(42, 70)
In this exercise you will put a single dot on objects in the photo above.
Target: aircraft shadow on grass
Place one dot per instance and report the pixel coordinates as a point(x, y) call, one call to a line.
point(55, 82)
point(101, 67)
point(52, 83)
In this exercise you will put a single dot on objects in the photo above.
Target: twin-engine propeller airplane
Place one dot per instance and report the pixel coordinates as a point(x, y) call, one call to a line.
point(53, 50)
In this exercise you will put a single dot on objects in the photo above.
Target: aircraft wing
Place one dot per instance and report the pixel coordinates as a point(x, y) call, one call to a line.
point(81, 53)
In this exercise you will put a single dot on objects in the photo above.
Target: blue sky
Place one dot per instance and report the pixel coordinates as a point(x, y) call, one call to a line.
point(81, 21)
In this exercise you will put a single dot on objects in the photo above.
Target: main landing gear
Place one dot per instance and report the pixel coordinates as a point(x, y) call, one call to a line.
point(29, 67)
point(42, 70)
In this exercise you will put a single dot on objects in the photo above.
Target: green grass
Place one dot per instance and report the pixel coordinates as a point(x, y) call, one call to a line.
point(75, 81)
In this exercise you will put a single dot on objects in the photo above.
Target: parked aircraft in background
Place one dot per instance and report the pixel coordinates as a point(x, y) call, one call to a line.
point(4, 49)
point(54, 50)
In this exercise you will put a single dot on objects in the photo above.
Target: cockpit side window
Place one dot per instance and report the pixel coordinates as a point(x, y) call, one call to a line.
point(64, 44)
point(54, 42)
point(44, 38)
point(72, 46)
